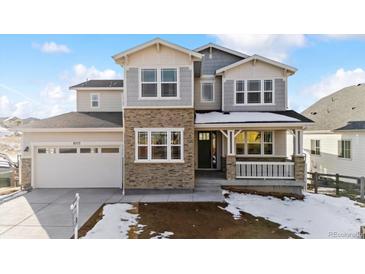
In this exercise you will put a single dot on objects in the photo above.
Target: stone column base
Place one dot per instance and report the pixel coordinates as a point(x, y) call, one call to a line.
point(25, 173)
point(299, 167)
point(230, 167)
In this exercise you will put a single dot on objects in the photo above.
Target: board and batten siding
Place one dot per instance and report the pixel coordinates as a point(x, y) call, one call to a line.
point(279, 98)
point(217, 103)
point(110, 100)
point(328, 160)
point(185, 83)
point(217, 60)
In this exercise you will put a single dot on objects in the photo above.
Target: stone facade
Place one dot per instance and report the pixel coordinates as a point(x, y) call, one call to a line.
point(230, 167)
point(26, 173)
point(159, 175)
point(299, 167)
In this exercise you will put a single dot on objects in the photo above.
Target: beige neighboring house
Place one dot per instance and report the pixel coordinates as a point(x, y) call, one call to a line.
point(180, 117)
point(335, 143)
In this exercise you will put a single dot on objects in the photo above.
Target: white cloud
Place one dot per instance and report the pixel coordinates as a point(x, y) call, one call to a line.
point(275, 46)
point(53, 92)
point(327, 85)
point(52, 47)
point(82, 72)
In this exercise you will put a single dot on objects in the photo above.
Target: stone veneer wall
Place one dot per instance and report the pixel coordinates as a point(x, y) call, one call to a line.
point(26, 173)
point(159, 175)
point(299, 167)
point(230, 167)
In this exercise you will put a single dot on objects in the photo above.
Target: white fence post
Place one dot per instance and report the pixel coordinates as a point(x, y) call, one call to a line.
point(75, 214)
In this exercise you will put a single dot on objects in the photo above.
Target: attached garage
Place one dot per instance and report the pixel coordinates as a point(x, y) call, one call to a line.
point(77, 167)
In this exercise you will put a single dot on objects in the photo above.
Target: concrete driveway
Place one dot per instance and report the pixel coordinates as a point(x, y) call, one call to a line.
point(45, 213)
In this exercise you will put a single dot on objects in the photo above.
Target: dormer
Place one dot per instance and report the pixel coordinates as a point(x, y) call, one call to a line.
point(158, 74)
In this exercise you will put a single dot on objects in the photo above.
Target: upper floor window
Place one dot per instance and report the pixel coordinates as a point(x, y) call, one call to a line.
point(159, 83)
point(315, 147)
point(207, 91)
point(95, 100)
point(344, 149)
point(254, 92)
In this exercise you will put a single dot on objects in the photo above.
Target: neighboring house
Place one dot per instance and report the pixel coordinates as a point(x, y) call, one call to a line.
point(177, 111)
point(335, 143)
point(12, 122)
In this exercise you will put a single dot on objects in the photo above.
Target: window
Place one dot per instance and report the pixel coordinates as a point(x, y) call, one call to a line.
point(251, 143)
point(159, 83)
point(168, 83)
point(344, 149)
point(89, 150)
point(315, 147)
point(95, 100)
point(149, 82)
point(207, 92)
point(68, 150)
point(159, 145)
point(109, 150)
point(240, 92)
point(253, 91)
point(48, 150)
point(268, 90)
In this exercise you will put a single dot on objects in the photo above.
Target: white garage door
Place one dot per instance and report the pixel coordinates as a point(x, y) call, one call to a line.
point(78, 167)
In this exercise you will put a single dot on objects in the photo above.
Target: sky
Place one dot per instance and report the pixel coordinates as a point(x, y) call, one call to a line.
point(36, 70)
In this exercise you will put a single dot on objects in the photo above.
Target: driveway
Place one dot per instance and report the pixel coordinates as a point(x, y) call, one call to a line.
point(45, 213)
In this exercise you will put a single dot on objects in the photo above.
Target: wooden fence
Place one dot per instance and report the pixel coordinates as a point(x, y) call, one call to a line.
point(315, 178)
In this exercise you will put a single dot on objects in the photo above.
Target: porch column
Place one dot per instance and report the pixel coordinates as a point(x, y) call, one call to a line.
point(231, 155)
point(298, 156)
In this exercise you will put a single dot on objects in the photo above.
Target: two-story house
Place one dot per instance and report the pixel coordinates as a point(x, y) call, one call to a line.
point(178, 111)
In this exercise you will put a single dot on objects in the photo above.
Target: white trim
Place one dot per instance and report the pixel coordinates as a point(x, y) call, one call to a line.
point(97, 89)
point(98, 129)
point(254, 58)
point(156, 41)
point(201, 91)
point(91, 100)
point(159, 83)
point(154, 107)
point(253, 125)
point(168, 145)
point(212, 45)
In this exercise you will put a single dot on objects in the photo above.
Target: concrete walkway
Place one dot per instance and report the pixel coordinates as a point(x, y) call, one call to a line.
point(45, 213)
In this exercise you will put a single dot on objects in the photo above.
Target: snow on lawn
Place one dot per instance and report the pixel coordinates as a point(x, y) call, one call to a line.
point(115, 223)
point(318, 215)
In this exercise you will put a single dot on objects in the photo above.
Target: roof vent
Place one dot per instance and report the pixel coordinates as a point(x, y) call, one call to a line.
point(314, 112)
point(225, 112)
point(353, 108)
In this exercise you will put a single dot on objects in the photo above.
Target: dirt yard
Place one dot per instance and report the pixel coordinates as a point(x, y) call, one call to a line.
point(195, 221)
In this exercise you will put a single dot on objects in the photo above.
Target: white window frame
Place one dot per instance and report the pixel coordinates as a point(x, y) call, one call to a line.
point(159, 82)
point(91, 100)
point(315, 147)
point(169, 145)
point(262, 143)
point(201, 91)
point(262, 92)
point(338, 152)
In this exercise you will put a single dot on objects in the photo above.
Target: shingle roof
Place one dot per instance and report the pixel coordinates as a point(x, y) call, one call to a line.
point(337, 109)
point(354, 125)
point(100, 84)
point(79, 120)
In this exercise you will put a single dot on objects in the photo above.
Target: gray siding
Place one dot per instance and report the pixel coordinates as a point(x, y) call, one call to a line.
point(217, 104)
point(219, 59)
point(110, 100)
point(280, 98)
point(185, 86)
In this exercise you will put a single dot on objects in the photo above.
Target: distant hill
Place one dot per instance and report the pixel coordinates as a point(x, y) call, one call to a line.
point(25, 121)
point(337, 109)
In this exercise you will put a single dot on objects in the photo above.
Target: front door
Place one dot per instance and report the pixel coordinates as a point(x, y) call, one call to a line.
point(207, 149)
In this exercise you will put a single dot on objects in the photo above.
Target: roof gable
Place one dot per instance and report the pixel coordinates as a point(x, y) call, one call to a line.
point(231, 51)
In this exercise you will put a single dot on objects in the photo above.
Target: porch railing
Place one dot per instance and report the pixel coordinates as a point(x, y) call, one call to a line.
point(265, 170)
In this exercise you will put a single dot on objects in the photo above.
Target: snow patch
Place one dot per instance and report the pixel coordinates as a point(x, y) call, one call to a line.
point(241, 117)
point(115, 223)
point(163, 235)
point(317, 216)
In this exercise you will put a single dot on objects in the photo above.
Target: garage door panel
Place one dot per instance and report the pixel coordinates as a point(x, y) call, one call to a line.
point(78, 170)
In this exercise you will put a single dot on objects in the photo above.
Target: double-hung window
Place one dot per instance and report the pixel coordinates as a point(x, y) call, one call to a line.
point(95, 100)
point(149, 82)
point(156, 145)
point(253, 92)
point(240, 92)
point(315, 147)
point(344, 149)
point(159, 83)
point(254, 143)
point(207, 91)
point(268, 91)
